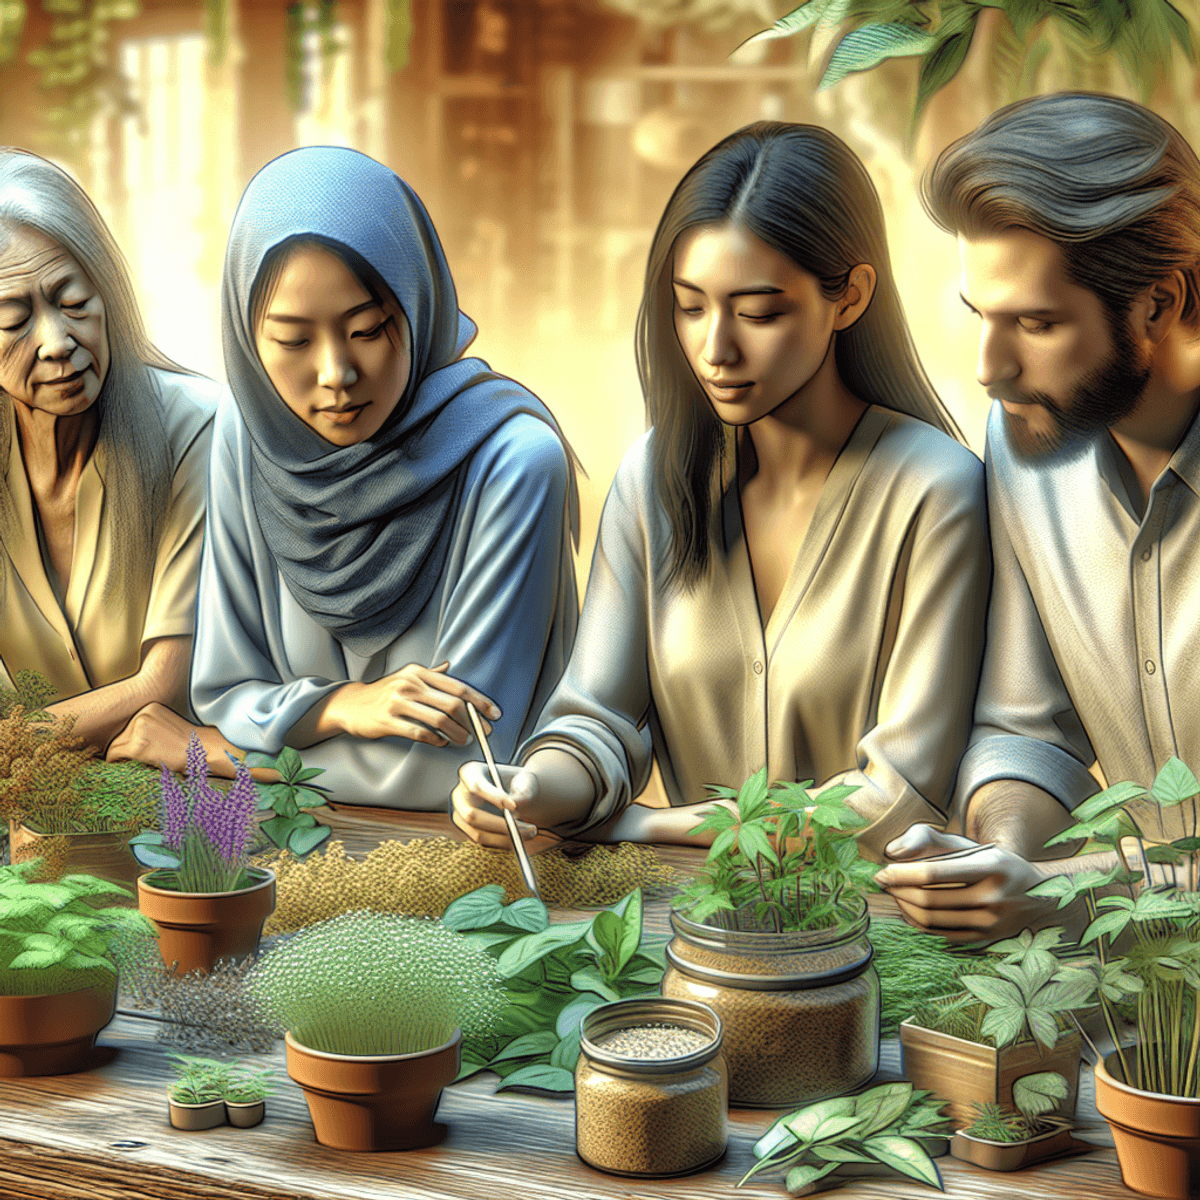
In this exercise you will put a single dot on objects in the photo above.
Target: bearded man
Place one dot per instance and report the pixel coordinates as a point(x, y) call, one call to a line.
point(103, 461)
point(1078, 219)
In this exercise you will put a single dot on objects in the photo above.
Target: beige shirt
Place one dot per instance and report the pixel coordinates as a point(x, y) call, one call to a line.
point(91, 639)
point(1094, 630)
point(865, 672)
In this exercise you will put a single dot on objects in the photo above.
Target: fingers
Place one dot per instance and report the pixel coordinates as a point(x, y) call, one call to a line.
point(918, 841)
point(475, 800)
point(930, 873)
point(955, 925)
point(437, 679)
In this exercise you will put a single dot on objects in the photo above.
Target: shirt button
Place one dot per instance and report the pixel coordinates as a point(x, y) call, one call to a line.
point(758, 667)
point(1149, 666)
point(1146, 554)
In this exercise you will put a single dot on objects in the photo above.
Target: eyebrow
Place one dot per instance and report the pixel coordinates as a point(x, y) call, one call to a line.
point(1015, 312)
point(284, 319)
point(762, 290)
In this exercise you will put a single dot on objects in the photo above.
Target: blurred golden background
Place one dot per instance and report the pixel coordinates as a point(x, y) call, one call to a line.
point(545, 137)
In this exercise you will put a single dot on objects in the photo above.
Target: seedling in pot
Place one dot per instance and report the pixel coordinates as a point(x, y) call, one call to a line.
point(196, 1098)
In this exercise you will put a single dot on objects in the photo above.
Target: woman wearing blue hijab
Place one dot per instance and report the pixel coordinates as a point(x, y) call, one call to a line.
point(388, 521)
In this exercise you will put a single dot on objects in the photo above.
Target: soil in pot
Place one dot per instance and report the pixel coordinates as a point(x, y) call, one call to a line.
point(375, 1101)
point(197, 928)
point(52, 1034)
point(247, 1115)
point(105, 855)
point(194, 1117)
point(969, 1073)
point(1013, 1156)
point(800, 1011)
point(1157, 1136)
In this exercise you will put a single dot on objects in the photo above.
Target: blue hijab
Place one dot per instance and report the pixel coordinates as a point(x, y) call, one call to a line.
point(361, 532)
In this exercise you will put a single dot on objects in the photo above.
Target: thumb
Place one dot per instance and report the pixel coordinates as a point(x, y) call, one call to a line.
point(523, 785)
point(921, 841)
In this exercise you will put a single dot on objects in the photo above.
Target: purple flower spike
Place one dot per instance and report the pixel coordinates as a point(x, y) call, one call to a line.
point(175, 810)
point(197, 765)
point(241, 802)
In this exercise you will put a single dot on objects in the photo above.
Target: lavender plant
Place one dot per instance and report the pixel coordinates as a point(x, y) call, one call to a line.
point(206, 834)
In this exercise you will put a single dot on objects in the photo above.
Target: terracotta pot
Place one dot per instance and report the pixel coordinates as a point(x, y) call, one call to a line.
point(197, 928)
point(375, 1101)
point(54, 1034)
point(194, 1117)
point(1013, 1156)
point(105, 855)
point(1157, 1137)
point(969, 1073)
point(247, 1115)
point(800, 1011)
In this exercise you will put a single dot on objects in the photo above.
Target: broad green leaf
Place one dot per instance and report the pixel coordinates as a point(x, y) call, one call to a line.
point(607, 930)
point(542, 1076)
point(906, 1156)
point(1035, 1095)
point(1006, 1024)
point(566, 1053)
point(836, 1153)
point(1106, 801)
point(569, 1018)
point(470, 1066)
point(807, 1121)
point(1044, 1028)
point(475, 910)
point(305, 841)
point(995, 993)
point(311, 797)
point(752, 796)
point(589, 979)
point(777, 1135)
point(753, 843)
point(288, 763)
point(631, 931)
point(722, 844)
point(1109, 924)
point(869, 45)
point(280, 829)
point(528, 913)
point(1175, 783)
point(882, 1105)
point(804, 1175)
point(938, 67)
point(788, 25)
point(528, 950)
point(833, 1127)
point(529, 1045)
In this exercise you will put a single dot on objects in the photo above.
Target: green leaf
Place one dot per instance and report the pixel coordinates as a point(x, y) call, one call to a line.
point(722, 844)
point(309, 773)
point(1043, 1026)
point(836, 1153)
point(310, 797)
point(752, 799)
point(470, 1066)
point(535, 946)
point(1035, 1095)
point(569, 1018)
point(753, 843)
point(305, 841)
point(280, 829)
point(777, 1135)
point(869, 45)
point(805, 1175)
point(631, 929)
point(788, 25)
point(833, 1127)
point(995, 993)
point(542, 1076)
point(589, 979)
point(805, 1123)
point(288, 763)
point(527, 913)
point(905, 1156)
point(1109, 924)
point(607, 930)
point(1175, 783)
point(475, 910)
point(1005, 1025)
point(938, 67)
point(1106, 801)
point(529, 1045)
point(882, 1105)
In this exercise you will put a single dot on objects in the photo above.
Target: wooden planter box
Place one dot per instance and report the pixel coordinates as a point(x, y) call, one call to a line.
point(967, 1073)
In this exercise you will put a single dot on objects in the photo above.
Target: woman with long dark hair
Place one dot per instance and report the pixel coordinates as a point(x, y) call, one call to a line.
point(792, 567)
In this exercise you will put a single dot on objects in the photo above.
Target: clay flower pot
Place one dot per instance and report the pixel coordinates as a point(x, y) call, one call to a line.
point(53, 1034)
point(247, 1115)
point(1013, 1156)
point(375, 1101)
point(105, 855)
point(197, 928)
point(194, 1117)
point(1157, 1137)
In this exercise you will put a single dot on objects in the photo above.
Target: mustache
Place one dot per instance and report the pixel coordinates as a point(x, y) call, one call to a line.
point(1014, 395)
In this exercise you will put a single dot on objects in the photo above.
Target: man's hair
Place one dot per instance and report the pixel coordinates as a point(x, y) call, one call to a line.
point(1114, 185)
point(35, 194)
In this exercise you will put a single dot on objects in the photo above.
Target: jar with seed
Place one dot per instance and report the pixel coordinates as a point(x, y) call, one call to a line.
point(651, 1088)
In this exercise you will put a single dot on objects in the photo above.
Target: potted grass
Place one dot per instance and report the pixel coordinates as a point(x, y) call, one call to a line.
point(245, 1094)
point(974, 1045)
point(1008, 1139)
point(1145, 928)
point(195, 1099)
point(375, 1006)
point(58, 968)
point(204, 898)
point(773, 936)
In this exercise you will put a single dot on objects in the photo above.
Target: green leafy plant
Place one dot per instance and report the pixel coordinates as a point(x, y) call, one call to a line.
point(52, 940)
point(751, 871)
point(291, 828)
point(198, 1080)
point(832, 1142)
point(1034, 1098)
point(246, 1084)
point(1157, 974)
point(554, 975)
point(377, 983)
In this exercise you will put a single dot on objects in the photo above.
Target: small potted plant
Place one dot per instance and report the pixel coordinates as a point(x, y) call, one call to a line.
point(1146, 931)
point(245, 1093)
point(773, 936)
point(1008, 1139)
point(973, 1046)
point(204, 898)
point(375, 1006)
point(58, 968)
point(195, 1100)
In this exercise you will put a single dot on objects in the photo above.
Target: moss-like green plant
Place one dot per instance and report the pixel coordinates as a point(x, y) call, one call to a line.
point(995, 1123)
point(1035, 1097)
point(199, 1080)
point(377, 983)
point(246, 1084)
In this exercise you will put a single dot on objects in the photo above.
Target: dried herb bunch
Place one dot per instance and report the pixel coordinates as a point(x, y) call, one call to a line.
point(31, 690)
point(423, 876)
point(378, 983)
point(51, 783)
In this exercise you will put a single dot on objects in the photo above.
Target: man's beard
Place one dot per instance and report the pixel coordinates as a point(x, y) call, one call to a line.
point(1101, 399)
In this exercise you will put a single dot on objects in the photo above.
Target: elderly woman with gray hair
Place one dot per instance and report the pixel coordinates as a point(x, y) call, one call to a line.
point(104, 445)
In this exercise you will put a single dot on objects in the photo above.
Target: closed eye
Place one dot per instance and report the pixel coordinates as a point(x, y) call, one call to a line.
point(291, 345)
point(1032, 325)
point(370, 334)
point(761, 317)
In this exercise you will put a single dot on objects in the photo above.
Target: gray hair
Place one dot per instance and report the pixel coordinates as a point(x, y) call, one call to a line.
point(1116, 186)
point(38, 195)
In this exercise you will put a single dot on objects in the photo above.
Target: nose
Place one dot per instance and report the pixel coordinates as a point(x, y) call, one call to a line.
point(54, 339)
point(335, 369)
point(720, 348)
point(997, 360)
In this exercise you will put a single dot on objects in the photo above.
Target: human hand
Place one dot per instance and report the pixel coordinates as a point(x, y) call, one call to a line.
point(475, 797)
point(158, 735)
point(972, 898)
point(423, 704)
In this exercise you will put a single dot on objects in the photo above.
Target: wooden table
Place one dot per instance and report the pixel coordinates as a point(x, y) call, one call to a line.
point(104, 1135)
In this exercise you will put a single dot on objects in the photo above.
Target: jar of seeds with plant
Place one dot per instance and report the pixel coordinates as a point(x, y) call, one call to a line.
point(651, 1088)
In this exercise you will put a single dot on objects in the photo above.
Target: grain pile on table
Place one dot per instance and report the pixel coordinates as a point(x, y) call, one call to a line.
point(423, 875)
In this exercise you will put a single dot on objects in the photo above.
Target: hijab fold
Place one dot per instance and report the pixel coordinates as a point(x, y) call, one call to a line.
point(361, 533)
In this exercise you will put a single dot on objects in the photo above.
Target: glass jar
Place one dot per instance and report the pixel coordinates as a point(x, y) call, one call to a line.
point(651, 1117)
point(800, 1010)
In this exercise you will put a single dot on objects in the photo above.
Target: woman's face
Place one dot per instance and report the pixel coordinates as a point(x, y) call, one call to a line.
point(755, 328)
point(338, 359)
point(53, 336)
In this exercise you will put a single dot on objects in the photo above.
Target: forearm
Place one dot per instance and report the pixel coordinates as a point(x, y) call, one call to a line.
point(323, 721)
point(100, 715)
point(1019, 817)
point(641, 823)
